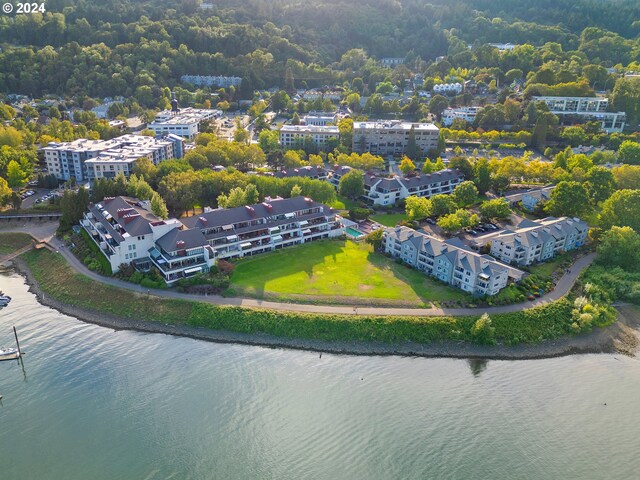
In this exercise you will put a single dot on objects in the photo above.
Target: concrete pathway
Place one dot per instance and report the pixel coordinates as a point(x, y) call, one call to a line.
point(562, 288)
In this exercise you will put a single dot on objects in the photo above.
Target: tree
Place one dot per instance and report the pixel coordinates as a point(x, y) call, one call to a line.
point(407, 166)
point(437, 105)
point(482, 175)
point(568, 199)
point(158, 207)
point(465, 194)
point(146, 169)
point(413, 151)
point(241, 135)
point(458, 220)
point(73, 205)
point(620, 247)
point(497, 208)
point(626, 98)
point(16, 177)
point(352, 184)
point(629, 152)
point(621, 209)
point(296, 191)
point(482, 331)
point(269, 141)
point(16, 200)
point(428, 166)
point(291, 160)
point(251, 195)
point(5, 192)
point(599, 184)
point(295, 119)
point(463, 165)
point(627, 177)
point(417, 208)
point(500, 183)
point(197, 160)
point(442, 204)
point(439, 165)
point(375, 238)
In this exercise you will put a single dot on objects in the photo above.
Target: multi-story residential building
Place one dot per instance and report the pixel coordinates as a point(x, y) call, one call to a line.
point(387, 191)
point(263, 227)
point(127, 232)
point(308, 171)
point(537, 241)
point(333, 95)
point(391, 137)
point(449, 261)
point(531, 198)
point(320, 119)
point(212, 80)
point(336, 173)
point(88, 159)
point(468, 114)
point(584, 109)
point(184, 122)
point(391, 61)
point(448, 88)
point(290, 135)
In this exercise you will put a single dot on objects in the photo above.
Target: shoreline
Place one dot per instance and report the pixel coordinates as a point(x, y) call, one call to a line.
point(621, 337)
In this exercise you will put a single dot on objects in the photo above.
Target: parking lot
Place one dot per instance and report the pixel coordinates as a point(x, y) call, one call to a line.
point(33, 196)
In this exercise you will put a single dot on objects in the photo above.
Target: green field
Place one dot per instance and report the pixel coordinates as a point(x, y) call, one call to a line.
point(388, 219)
point(337, 272)
point(10, 242)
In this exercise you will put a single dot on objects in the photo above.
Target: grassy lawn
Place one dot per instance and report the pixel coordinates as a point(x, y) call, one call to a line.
point(58, 280)
point(61, 282)
point(388, 219)
point(337, 271)
point(10, 242)
point(546, 269)
point(344, 203)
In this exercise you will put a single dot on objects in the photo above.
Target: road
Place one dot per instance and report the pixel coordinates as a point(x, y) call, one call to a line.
point(46, 234)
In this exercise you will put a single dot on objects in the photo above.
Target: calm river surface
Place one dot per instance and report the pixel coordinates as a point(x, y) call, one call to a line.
point(91, 403)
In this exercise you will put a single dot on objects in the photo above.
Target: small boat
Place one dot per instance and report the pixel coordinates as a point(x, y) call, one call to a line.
point(9, 353)
point(4, 300)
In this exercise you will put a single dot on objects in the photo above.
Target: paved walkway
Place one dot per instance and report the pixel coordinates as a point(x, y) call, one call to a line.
point(562, 287)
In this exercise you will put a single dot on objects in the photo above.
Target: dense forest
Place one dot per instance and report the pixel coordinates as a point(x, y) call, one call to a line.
point(112, 47)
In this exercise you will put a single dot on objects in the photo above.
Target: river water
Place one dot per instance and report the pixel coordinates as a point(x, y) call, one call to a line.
point(92, 403)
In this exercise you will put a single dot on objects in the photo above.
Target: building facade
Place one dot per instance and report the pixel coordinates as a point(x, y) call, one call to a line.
point(320, 119)
point(448, 88)
point(184, 122)
point(537, 241)
point(391, 137)
point(387, 191)
point(267, 226)
point(291, 135)
point(585, 109)
point(468, 114)
point(88, 159)
point(449, 261)
point(212, 80)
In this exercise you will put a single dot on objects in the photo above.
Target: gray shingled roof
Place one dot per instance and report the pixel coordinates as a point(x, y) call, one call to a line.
point(192, 238)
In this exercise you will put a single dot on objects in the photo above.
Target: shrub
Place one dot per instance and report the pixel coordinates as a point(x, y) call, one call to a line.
point(225, 267)
point(482, 330)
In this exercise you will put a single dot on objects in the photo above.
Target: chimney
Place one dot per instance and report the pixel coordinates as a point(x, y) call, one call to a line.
point(251, 210)
point(308, 200)
point(130, 216)
point(180, 244)
point(203, 220)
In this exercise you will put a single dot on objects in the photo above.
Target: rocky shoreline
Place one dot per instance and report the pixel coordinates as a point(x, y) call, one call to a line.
point(621, 337)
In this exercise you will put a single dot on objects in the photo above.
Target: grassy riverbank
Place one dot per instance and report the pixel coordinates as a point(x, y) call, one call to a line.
point(10, 242)
point(59, 281)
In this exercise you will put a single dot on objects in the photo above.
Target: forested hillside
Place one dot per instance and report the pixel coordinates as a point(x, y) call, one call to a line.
point(111, 47)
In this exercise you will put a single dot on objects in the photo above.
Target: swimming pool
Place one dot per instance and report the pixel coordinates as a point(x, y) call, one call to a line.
point(353, 232)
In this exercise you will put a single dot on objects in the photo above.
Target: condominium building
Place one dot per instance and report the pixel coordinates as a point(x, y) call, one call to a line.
point(585, 109)
point(308, 171)
point(389, 190)
point(184, 122)
point(448, 88)
point(536, 241)
point(88, 159)
point(531, 198)
point(449, 261)
point(127, 233)
point(263, 227)
point(292, 135)
point(336, 173)
point(468, 114)
point(391, 61)
point(320, 119)
point(390, 137)
point(212, 80)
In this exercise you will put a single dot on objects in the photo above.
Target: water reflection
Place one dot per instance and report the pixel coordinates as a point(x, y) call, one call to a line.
point(477, 365)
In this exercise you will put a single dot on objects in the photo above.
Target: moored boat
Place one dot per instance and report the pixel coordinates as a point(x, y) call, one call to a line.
point(9, 353)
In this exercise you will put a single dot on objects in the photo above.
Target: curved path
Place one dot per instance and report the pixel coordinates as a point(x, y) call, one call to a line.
point(562, 288)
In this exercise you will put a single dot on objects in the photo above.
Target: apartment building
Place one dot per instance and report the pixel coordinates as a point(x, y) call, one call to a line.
point(320, 119)
point(314, 172)
point(387, 191)
point(127, 232)
point(536, 241)
point(449, 261)
point(211, 80)
point(290, 135)
point(531, 198)
point(584, 109)
point(468, 114)
point(448, 88)
point(273, 224)
point(390, 137)
point(86, 159)
point(184, 122)
point(336, 173)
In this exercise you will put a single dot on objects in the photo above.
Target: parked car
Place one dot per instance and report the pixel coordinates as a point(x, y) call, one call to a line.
point(431, 221)
point(473, 232)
